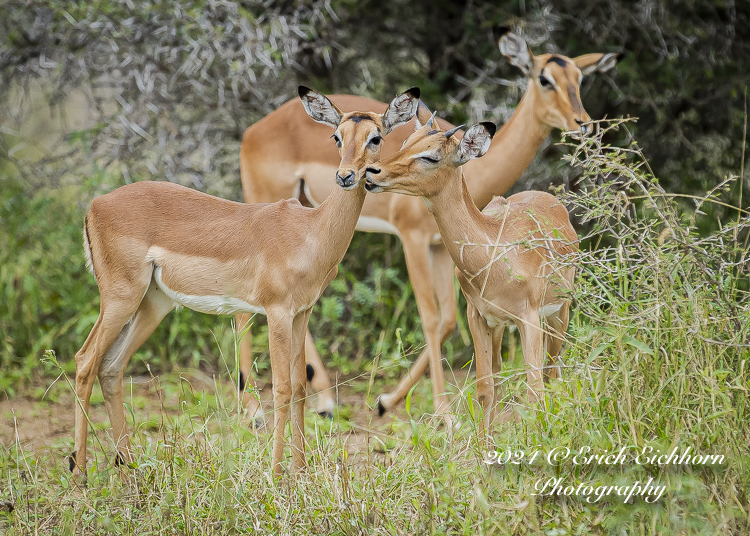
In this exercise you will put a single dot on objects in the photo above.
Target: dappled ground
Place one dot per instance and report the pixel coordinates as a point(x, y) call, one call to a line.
point(41, 419)
point(199, 468)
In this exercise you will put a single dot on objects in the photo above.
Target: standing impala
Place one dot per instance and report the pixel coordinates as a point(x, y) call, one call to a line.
point(284, 155)
point(506, 257)
point(153, 246)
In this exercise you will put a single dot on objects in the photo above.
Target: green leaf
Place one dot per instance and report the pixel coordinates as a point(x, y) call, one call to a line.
point(635, 343)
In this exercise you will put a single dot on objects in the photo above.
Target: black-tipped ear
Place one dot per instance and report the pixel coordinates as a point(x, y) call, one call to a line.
point(319, 107)
point(499, 31)
point(597, 63)
point(475, 143)
point(490, 127)
point(517, 51)
point(401, 109)
point(414, 92)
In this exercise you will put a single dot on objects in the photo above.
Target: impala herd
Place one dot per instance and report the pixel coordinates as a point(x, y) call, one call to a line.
point(154, 246)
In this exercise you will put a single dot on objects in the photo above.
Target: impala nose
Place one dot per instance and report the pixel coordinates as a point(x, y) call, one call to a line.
point(586, 129)
point(346, 180)
point(371, 186)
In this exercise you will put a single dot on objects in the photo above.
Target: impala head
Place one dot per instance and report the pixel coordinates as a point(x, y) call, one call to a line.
point(358, 135)
point(428, 158)
point(554, 81)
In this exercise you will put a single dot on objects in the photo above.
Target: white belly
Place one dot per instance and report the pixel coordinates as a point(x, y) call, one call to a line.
point(549, 310)
point(214, 305)
point(494, 322)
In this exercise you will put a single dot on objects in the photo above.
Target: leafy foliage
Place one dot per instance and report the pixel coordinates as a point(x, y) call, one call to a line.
point(169, 86)
point(166, 88)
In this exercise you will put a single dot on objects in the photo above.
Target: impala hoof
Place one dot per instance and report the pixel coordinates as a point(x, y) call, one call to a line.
point(72, 461)
point(258, 423)
point(386, 402)
point(120, 459)
point(326, 415)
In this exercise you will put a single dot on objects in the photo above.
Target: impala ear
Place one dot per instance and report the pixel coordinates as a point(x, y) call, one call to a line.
point(475, 142)
point(517, 51)
point(401, 109)
point(597, 63)
point(319, 107)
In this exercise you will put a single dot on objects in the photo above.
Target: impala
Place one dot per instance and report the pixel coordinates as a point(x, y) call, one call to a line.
point(507, 257)
point(153, 246)
point(284, 155)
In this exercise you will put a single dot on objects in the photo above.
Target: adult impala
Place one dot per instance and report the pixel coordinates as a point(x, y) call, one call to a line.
point(283, 156)
point(506, 257)
point(153, 246)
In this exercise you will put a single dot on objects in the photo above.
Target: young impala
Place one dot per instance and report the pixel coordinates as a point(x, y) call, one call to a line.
point(506, 257)
point(153, 246)
point(297, 161)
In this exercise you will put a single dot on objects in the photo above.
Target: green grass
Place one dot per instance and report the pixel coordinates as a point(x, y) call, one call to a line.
point(657, 357)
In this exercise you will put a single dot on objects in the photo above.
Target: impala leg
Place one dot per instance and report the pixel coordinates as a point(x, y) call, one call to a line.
point(418, 263)
point(442, 269)
point(443, 273)
point(482, 336)
point(319, 381)
point(387, 401)
point(280, 345)
point(112, 319)
point(153, 308)
point(416, 250)
point(532, 344)
point(249, 399)
point(298, 377)
point(556, 327)
point(497, 366)
point(315, 371)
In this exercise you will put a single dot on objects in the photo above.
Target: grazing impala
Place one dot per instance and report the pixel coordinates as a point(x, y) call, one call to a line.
point(284, 155)
point(506, 257)
point(153, 246)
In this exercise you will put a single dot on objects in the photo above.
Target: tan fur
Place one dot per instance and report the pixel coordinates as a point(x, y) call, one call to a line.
point(505, 256)
point(283, 147)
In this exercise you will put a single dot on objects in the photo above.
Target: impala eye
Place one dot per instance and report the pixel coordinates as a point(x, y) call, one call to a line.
point(429, 159)
point(337, 140)
point(545, 81)
point(376, 140)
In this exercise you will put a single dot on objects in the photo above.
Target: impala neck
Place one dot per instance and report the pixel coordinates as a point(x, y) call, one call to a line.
point(511, 152)
point(335, 221)
point(459, 220)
